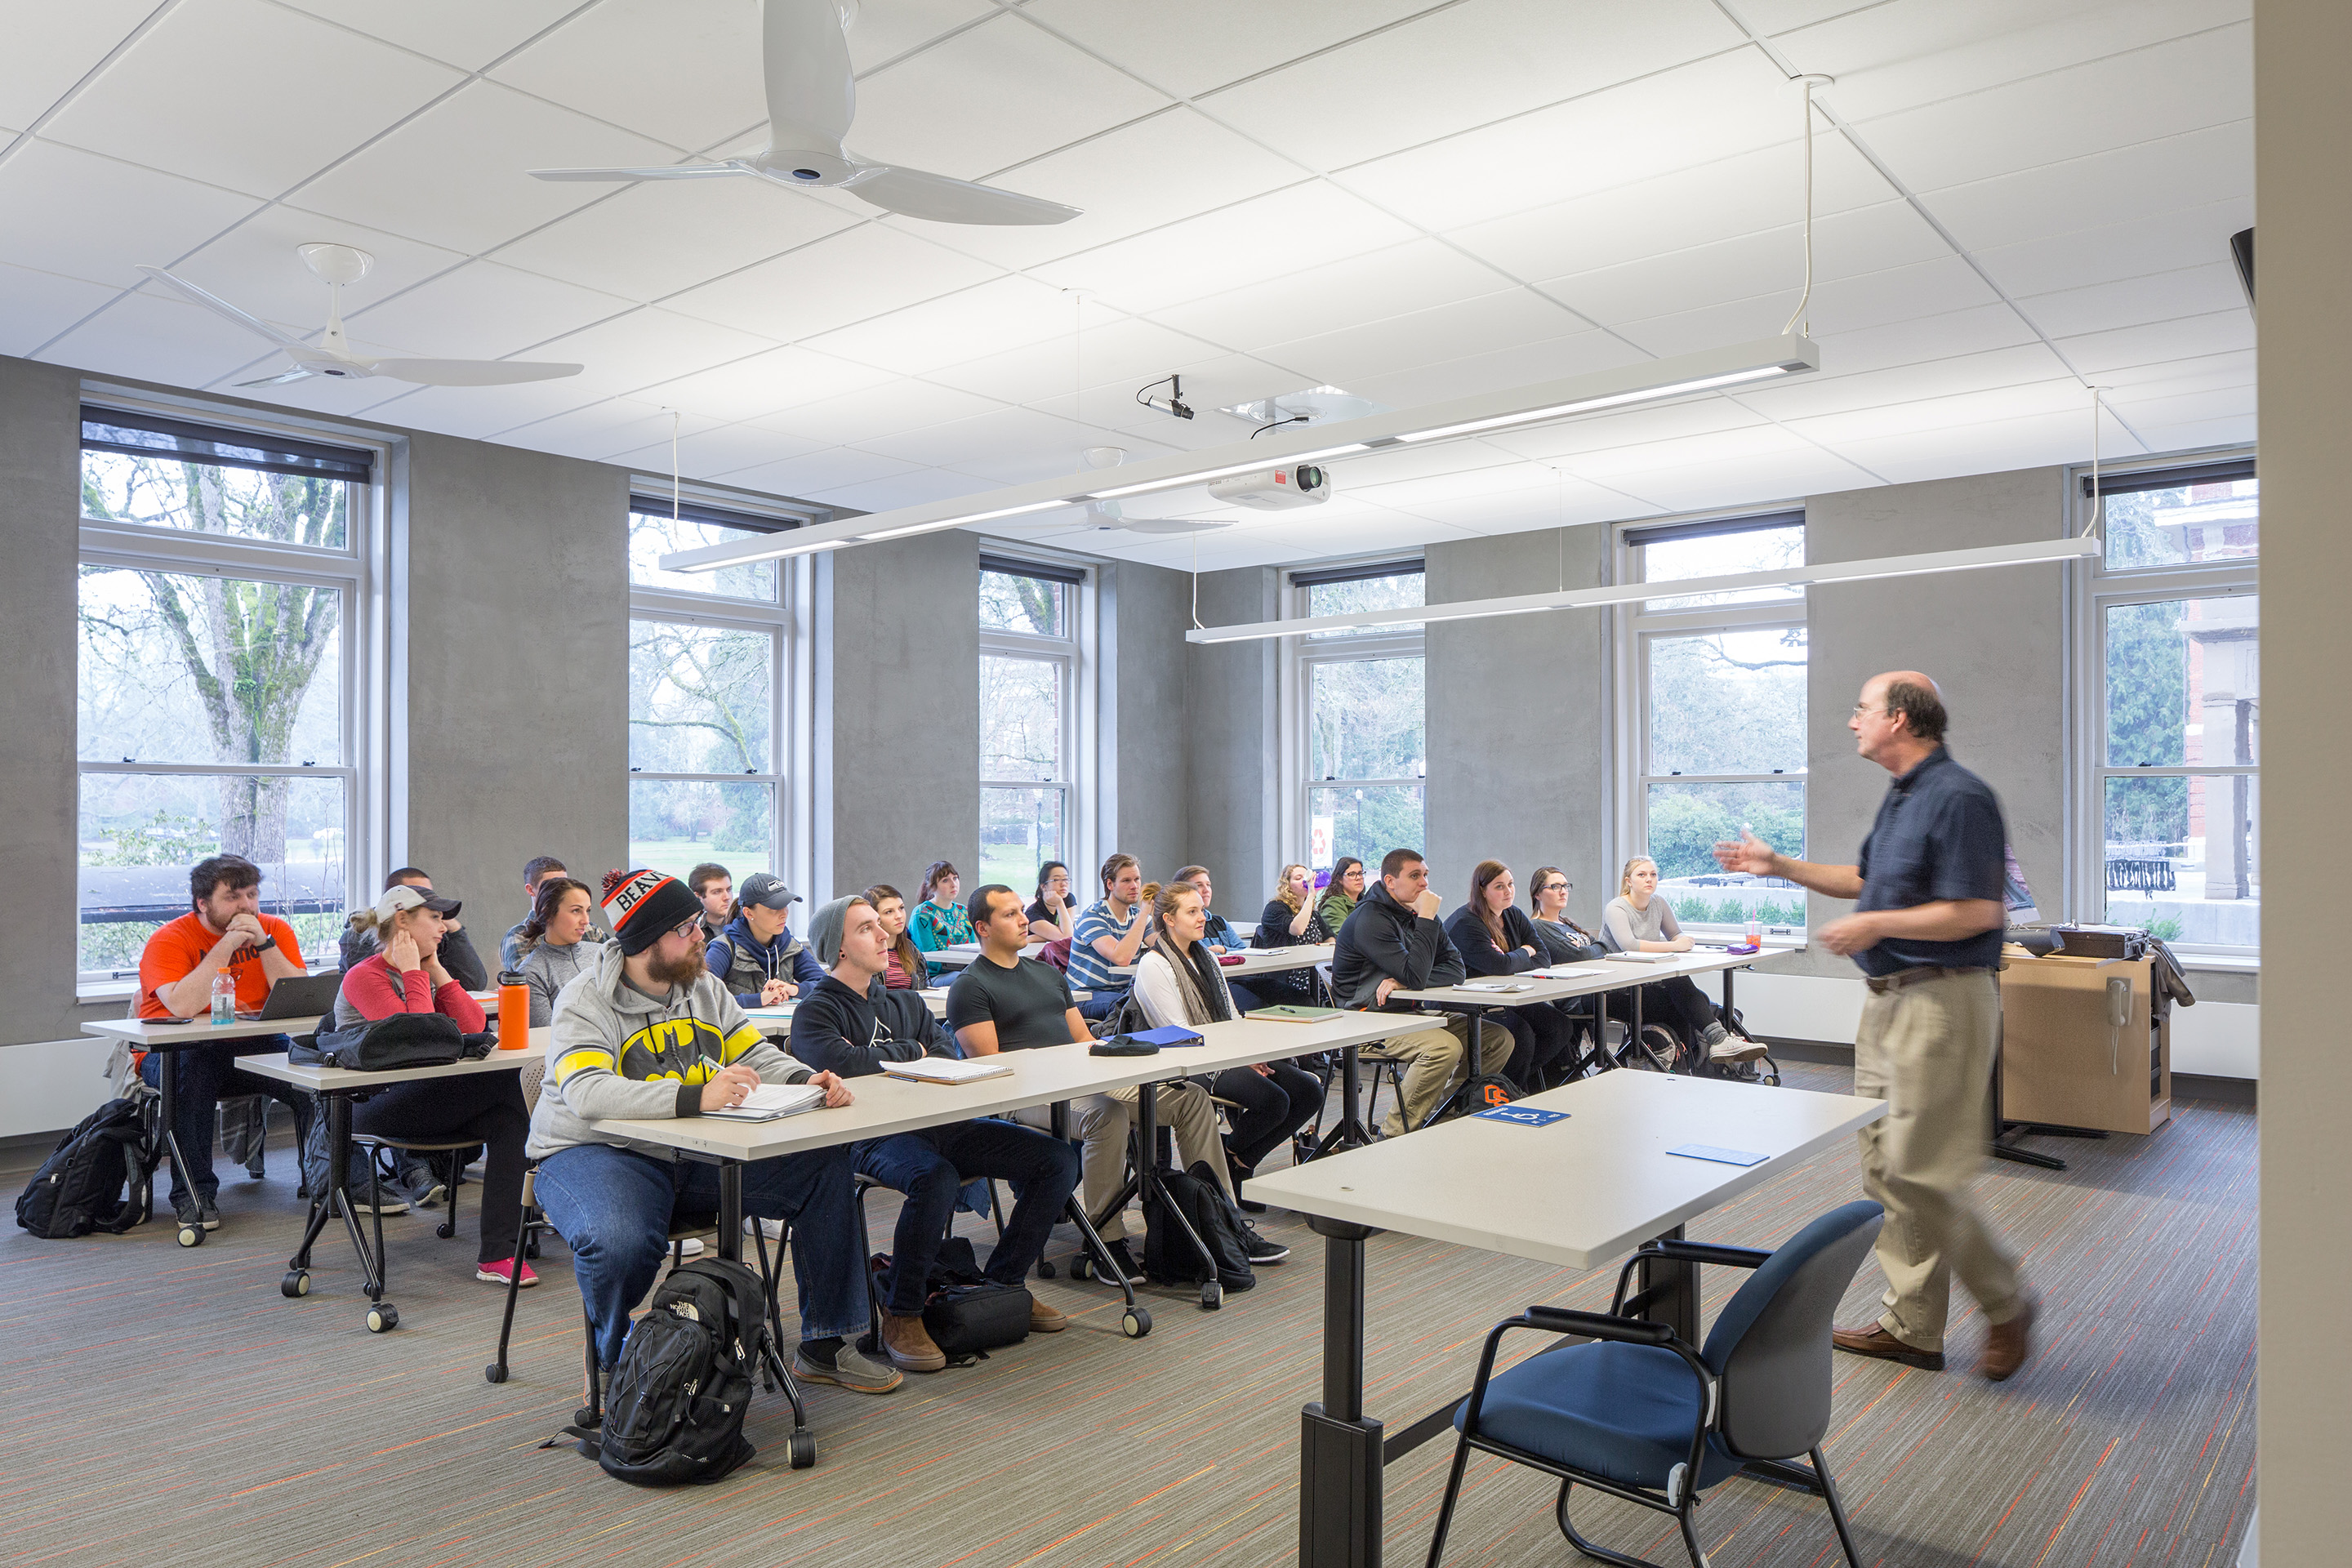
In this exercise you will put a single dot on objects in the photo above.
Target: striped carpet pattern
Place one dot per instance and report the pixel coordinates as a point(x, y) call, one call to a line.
point(167, 1407)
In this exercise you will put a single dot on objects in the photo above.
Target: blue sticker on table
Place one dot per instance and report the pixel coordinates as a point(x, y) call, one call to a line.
point(1720, 1156)
point(1522, 1115)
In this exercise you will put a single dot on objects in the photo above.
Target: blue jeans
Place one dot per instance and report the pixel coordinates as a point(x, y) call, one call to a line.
point(1101, 1005)
point(613, 1208)
point(929, 1165)
point(206, 1075)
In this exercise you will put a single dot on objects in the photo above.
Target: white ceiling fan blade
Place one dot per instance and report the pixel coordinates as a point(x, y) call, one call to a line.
point(299, 372)
point(1170, 525)
point(221, 307)
point(942, 200)
point(806, 62)
point(660, 172)
point(470, 372)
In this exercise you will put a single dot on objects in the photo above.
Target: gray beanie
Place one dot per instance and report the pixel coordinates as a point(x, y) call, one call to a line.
point(825, 929)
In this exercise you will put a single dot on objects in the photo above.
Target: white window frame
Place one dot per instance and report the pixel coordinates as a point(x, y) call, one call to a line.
point(1295, 694)
point(1070, 653)
point(783, 620)
point(1635, 627)
point(358, 570)
point(2094, 588)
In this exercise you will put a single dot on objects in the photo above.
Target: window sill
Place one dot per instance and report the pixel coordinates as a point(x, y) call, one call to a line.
point(2221, 962)
point(95, 991)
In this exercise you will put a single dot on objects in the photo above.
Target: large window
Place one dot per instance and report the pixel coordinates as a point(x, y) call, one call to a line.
point(708, 693)
point(221, 672)
point(1363, 698)
point(2171, 818)
point(1716, 711)
point(1028, 682)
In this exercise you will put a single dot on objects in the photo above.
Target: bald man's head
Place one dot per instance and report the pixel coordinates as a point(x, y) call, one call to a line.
point(1911, 697)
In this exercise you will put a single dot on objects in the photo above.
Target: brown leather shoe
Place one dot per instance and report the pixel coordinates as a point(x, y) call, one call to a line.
point(909, 1344)
point(2006, 1344)
point(1874, 1341)
point(1044, 1320)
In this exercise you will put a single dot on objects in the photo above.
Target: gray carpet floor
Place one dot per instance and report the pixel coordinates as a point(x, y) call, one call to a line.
point(166, 1406)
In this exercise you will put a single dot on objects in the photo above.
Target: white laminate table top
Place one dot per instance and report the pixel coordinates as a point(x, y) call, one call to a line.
point(1590, 975)
point(1577, 1192)
point(331, 1080)
point(1263, 960)
point(149, 1033)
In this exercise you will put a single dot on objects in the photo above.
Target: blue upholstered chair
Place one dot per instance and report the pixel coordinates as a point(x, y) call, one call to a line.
point(1639, 1414)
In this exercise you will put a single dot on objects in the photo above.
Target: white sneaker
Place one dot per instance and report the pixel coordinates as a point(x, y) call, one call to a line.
point(1723, 1046)
point(690, 1247)
point(774, 1230)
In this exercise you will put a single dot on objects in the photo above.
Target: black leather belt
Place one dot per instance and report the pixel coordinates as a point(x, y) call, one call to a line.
point(1880, 985)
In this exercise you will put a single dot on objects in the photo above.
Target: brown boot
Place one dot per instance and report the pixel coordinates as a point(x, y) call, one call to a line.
point(2006, 1344)
point(1874, 1341)
point(1044, 1320)
point(909, 1344)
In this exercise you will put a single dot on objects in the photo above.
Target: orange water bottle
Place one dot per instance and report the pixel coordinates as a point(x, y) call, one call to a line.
point(514, 1011)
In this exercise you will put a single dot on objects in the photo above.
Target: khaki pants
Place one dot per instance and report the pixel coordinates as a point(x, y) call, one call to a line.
point(1101, 1121)
point(1433, 1060)
point(1927, 1049)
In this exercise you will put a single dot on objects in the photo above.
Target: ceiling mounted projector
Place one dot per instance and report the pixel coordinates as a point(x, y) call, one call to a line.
point(812, 98)
point(1272, 489)
point(332, 355)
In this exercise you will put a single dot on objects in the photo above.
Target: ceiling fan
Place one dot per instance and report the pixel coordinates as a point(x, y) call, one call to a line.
point(332, 355)
point(812, 98)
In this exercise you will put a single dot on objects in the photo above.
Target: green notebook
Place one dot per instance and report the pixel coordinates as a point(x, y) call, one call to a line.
point(1288, 1014)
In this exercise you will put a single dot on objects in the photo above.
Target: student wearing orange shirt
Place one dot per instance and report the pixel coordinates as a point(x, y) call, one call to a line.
point(223, 931)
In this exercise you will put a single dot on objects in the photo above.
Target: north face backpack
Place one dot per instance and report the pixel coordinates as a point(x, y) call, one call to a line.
point(80, 1186)
point(1169, 1257)
point(679, 1394)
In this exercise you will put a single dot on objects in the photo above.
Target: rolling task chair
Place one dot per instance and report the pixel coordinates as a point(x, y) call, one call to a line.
point(1640, 1416)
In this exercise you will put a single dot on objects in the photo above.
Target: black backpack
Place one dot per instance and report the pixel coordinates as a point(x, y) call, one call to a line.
point(675, 1411)
point(382, 1045)
point(1168, 1256)
point(965, 1312)
point(80, 1186)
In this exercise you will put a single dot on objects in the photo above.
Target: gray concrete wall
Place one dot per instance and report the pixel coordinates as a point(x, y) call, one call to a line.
point(2302, 129)
point(1517, 711)
point(517, 631)
point(1230, 698)
point(898, 648)
point(1993, 641)
point(40, 467)
point(1146, 610)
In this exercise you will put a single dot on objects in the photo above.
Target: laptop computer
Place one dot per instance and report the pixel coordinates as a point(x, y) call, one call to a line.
point(299, 997)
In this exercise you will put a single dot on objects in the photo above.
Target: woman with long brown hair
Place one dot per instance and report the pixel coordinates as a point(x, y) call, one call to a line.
point(908, 968)
point(1495, 936)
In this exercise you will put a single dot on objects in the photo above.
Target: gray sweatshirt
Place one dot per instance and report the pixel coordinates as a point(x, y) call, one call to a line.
point(1628, 928)
point(616, 1052)
point(548, 969)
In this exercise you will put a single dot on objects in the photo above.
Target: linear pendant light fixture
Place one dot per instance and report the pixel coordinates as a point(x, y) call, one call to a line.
point(1766, 359)
point(2079, 547)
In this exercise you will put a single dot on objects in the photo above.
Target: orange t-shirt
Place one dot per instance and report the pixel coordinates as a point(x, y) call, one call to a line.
point(174, 951)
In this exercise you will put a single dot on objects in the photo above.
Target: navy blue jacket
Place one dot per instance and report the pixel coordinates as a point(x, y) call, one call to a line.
point(745, 963)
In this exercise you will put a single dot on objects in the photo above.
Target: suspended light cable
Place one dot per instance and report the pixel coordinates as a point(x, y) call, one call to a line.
point(1797, 323)
point(2098, 500)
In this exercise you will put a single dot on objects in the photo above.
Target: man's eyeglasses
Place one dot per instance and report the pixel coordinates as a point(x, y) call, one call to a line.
point(688, 928)
point(1861, 707)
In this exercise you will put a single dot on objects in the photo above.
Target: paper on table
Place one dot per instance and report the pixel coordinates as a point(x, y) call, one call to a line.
point(771, 1100)
point(949, 1069)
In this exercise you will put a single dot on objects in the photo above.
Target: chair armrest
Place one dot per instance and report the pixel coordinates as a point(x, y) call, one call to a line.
point(1599, 1325)
point(1673, 1251)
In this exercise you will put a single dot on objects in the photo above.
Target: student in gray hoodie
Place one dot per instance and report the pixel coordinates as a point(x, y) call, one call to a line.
point(650, 1033)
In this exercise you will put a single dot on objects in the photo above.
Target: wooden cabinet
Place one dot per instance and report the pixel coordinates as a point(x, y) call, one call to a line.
point(2062, 1064)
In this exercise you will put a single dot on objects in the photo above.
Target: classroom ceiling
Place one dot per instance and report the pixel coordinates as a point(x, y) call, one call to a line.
point(1406, 200)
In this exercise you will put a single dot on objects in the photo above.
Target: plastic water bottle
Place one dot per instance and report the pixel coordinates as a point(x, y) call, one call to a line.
point(224, 998)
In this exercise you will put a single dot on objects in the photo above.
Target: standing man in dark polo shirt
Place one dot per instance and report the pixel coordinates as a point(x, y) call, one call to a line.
point(1926, 931)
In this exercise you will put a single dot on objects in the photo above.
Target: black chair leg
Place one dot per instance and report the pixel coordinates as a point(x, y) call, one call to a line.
point(1837, 1508)
point(457, 1178)
point(591, 1415)
point(497, 1369)
point(1589, 1548)
point(1687, 1517)
point(1452, 1492)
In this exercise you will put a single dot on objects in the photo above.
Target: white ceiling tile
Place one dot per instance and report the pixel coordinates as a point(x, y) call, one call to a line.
point(1396, 281)
point(601, 429)
point(883, 33)
point(466, 33)
point(1692, 416)
point(2234, 431)
point(1009, 445)
point(1492, 478)
point(52, 47)
point(1806, 395)
point(99, 219)
point(763, 383)
point(688, 75)
point(971, 323)
point(1248, 242)
point(1383, 93)
point(647, 347)
point(861, 272)
point(1511, 322)
point(2151, 414)
point(1734, 444)
point(989, 96)
point(1840, 304)
point(651, 240)
point(1120, 353)
point(1521, 364)
point(2032, 442)
point(1915, 340)
point(1567, 505)
point(2034, 398)
point(860, 418)
point(456, 176)
point(37, 305)
point(2131, 301)
point(1770, 16)
point(722, 450)
point(255, 266)
point(1169, 167)
point(911, 488)
point(493, 410)
point(2198, 169)
point(2145, 242)
point(1358, 473)
point(826, 470)
point(1693, 114)
point(2160, 343)
point(1746, 481)
point(1188, 49)
point(157, 339)
point(204, 93)
point(2206, 373)
point(1308, 537)
point(484, 310)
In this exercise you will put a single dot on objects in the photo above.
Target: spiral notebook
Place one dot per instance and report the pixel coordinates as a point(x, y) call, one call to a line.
point(772, 1102)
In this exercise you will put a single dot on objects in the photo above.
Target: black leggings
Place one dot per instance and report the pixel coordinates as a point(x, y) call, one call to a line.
point(1677, 1002)
point(1272, 1105)
point(1543, 1040)
point(486, 1110)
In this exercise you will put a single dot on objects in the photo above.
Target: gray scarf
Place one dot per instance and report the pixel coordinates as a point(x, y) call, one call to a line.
point(1198, 980)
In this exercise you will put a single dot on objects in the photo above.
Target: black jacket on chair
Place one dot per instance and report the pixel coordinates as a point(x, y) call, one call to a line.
point(1475, 943)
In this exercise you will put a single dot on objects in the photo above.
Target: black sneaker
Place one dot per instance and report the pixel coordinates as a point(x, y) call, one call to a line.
point(426, 1191)
point(208, 1214)
point(196, 1214)
point(1261, 1250)
point(1125, 1259)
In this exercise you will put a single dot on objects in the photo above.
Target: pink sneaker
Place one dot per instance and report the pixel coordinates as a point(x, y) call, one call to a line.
point(502, 1271)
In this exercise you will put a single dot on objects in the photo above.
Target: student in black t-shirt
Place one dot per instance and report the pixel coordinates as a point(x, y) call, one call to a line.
point(1054, 913)
point(1004, 1002)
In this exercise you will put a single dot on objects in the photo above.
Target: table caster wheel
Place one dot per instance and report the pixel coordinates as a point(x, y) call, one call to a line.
point(1213, 1296)
point(494, 1372)
point(383, 1318)
point(801, 1448)
point(1136, 1322)
point(445, 1229)
point(1082, 1266)
point(296, 1284)
point(191, 1235)
point(1044, 1269)
point(587, 1420)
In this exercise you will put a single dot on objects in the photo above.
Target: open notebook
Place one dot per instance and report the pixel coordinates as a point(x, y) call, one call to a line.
point(949, 1069)
point(771, 1100)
